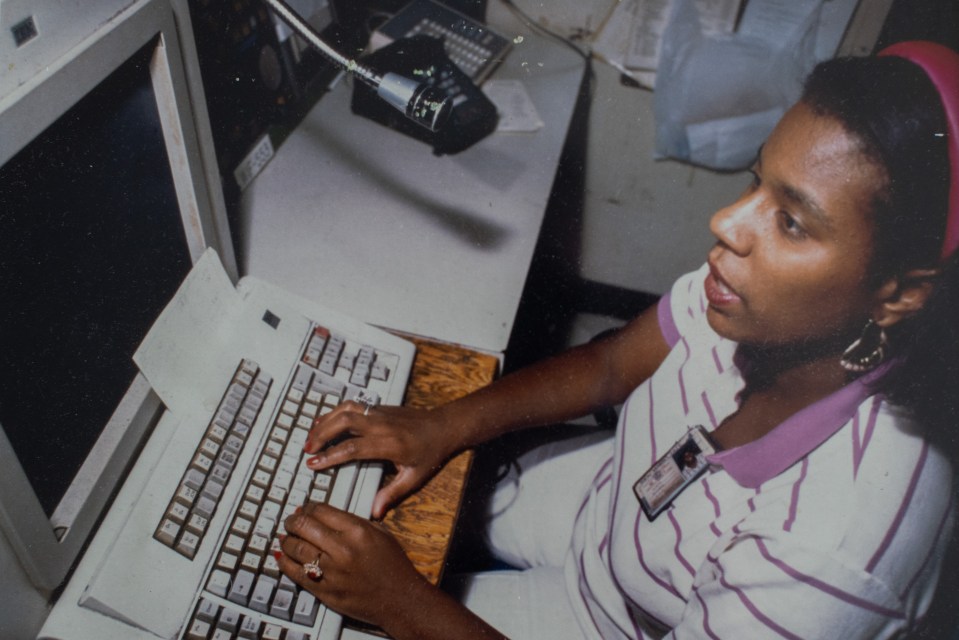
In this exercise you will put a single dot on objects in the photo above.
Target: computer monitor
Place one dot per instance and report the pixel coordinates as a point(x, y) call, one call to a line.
point(109, 191)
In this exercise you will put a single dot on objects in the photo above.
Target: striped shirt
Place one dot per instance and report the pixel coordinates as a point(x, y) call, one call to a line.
point(830, 526)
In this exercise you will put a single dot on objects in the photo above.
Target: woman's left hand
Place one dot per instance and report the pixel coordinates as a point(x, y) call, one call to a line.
point(365, 573)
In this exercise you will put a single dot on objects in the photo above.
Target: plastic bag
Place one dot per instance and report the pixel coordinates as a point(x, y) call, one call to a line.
point(718, 97)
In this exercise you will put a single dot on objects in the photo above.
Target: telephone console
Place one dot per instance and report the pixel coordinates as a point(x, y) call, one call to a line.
point(429, 42)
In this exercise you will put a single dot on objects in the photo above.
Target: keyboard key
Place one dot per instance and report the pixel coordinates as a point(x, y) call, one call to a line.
point(241, 430)
point(250, 628)
point(261, 478)
point(220, 471)
point(210, 446)
point(205, 506)
point(248, 509)
point(262, 592)
point(167, 532)
point(267, 463)
point(207, 610)
point(221, 634)
point(213, 489)
point(258, 544)
point(254, 494)
point(301, 382)
point(177, 512)
point(305, 609)
point(282, 604)
point(229, 620)
point(270, 567)
point(197, 524)
point(202, 463)
point(242, 527)
point(219, 583)
point(380, 370)
point(233, 444)
point(226, 459)
point(234, 543)
point(251, 562)
point(276, 494)
point(272, 632)
point(241, 587)
point(194, 479)
point(199, 630)
point(227, 561)
point(188, 544)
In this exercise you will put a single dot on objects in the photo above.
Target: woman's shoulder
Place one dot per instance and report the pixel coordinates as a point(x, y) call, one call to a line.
point(898, 488)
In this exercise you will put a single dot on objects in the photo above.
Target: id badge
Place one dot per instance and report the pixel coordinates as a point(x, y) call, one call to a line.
point(677, 469)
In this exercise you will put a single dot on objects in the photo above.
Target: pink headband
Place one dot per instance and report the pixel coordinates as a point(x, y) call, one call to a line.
point(941, 64)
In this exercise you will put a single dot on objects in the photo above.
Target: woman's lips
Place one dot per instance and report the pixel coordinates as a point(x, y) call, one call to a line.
point(718, 293)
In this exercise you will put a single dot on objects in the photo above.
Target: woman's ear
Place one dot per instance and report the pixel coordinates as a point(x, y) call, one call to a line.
point(903, 296)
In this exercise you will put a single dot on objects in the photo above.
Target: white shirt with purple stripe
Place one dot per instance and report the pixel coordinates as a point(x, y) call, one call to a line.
point(830, 526)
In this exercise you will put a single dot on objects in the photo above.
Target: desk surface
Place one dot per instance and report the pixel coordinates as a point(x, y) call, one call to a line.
point(370, 222)
point(423, 523)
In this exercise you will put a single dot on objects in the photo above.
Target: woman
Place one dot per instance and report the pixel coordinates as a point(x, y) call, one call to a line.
point(820, 501)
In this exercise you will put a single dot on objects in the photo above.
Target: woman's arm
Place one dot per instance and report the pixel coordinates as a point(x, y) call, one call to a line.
point(418, 442)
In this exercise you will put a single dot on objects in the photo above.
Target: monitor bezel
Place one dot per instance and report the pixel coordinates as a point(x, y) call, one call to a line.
point(47, 547)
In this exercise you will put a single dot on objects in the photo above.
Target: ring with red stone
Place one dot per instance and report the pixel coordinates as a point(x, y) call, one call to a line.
point(312, 569)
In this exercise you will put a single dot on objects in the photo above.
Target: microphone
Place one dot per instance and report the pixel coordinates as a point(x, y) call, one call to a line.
point(427, 106)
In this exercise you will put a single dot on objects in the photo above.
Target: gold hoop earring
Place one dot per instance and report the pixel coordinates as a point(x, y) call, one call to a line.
point(868, 351)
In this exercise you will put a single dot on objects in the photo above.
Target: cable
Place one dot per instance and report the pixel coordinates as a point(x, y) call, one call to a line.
point(536, 26)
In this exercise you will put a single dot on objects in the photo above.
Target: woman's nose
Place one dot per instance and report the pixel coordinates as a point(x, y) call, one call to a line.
point(732, 225)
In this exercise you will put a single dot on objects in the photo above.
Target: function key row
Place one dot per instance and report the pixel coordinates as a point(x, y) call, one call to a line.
point(195, 501)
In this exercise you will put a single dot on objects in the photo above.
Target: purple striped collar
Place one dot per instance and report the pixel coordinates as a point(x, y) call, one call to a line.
point(756, 462)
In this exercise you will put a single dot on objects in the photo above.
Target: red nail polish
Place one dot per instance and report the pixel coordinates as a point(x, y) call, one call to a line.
point(277, 555)
point(299, 510)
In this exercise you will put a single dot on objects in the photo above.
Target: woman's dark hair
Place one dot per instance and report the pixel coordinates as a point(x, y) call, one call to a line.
point(893, 109)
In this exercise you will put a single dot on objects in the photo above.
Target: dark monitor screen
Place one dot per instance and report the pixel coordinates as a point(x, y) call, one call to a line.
point(91, 249)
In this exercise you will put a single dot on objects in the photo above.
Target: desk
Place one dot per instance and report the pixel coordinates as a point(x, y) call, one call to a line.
point(370, 222)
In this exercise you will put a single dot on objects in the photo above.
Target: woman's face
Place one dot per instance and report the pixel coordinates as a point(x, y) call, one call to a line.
point(789, 265)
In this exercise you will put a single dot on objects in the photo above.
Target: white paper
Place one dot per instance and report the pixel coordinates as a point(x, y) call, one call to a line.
point(517, 113)
point(185, 348)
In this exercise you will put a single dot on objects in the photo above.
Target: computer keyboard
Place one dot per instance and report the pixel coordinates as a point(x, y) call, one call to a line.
point(243, 593)
point(472, 46)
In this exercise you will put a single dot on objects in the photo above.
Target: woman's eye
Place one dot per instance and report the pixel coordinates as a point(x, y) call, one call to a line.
point(791, 226)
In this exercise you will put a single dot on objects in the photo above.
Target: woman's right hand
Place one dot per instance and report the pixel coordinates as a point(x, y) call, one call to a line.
point(418, 443)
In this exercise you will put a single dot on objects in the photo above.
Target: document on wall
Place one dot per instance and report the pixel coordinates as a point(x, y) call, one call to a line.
point(772, 20)
point(649, 23)
point(631, 36)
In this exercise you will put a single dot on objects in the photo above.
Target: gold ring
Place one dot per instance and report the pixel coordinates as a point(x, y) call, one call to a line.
point(312, 569)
